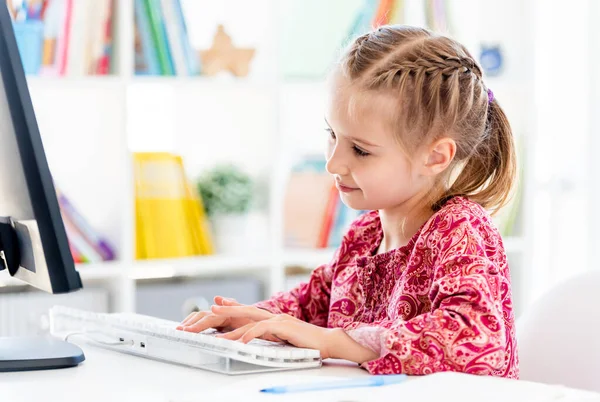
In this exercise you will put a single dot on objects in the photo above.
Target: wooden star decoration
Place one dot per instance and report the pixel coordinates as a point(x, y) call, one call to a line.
point(223, 55)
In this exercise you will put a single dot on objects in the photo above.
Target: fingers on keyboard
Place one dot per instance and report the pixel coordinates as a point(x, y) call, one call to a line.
point(237, 333)
point(193, 318)
point(206, 322)
point(226, 301)
point(186, 319)
point(250, 312)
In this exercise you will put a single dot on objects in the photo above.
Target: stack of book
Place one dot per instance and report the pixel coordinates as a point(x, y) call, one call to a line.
point(170, 217)
point(86, 244)
point(64, 37)
point(314, 215)
point(162, 44)
point(373, 14)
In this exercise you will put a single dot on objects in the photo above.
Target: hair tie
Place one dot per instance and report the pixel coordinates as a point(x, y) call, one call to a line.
point(490, 96)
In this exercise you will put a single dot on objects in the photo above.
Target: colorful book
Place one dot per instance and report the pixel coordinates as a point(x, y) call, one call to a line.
point(159, 36)
point(305, 203)
point(363, 21)
point(83, 249)
point(396, 15)
point(104, 62)
point(314, 214)
point(85, 230)
point(148, 63)
point(77, 36)
point(172, 30)
point(383, 13)
point(169, 223)
point(191, 56)
point(201, 231)
point(328, 217)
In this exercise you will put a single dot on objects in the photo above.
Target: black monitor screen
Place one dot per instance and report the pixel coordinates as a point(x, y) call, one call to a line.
point(33, 238)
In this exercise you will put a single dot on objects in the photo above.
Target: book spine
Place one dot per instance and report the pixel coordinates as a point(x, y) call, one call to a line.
point(101, 246)
point(363, 21)
point(53, 15)
point(382, 15)
point(171, 24)
point(167, 223)
point(77, 258)
point(339, 225)
point(87, 252)
point(62, 50)
point(148, 49)
point(200, 222)
point(154, 12)
point(328, 218)
point(103, 63)
point(192, 58)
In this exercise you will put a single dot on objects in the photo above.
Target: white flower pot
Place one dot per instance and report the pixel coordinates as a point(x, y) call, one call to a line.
point(230, 233)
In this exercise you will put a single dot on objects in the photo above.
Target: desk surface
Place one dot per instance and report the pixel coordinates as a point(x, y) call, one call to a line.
point(112, 376)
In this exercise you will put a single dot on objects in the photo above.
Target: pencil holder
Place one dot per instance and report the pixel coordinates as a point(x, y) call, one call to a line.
point(30, 39)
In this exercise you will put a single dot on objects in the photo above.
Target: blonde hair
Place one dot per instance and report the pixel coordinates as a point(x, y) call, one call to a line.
point(440, 91)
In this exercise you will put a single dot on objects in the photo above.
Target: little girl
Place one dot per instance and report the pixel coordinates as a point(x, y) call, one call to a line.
point(420, 284)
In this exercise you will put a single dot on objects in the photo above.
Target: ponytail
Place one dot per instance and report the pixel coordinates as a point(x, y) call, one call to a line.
point(489, 173)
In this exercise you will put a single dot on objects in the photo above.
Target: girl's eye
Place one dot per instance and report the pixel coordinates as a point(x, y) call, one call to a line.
point(331, 133)
point(359, 152)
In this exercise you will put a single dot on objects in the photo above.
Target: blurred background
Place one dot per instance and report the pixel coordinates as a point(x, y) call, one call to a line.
point(186, 139)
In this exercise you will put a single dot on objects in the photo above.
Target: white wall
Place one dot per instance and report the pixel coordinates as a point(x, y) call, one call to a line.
point(563, 127)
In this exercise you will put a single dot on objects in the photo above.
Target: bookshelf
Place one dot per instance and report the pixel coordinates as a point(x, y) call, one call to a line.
point(91, 125)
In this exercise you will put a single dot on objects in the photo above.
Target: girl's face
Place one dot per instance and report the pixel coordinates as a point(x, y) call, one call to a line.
point(371, 170)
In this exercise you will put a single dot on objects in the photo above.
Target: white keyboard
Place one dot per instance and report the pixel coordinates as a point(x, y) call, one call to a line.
point(158, 339)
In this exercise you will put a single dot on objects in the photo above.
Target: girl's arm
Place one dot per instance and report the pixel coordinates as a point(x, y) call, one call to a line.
point(464, 331)
point(308, 301)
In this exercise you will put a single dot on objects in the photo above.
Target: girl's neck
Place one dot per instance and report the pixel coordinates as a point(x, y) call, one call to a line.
point(400, 225)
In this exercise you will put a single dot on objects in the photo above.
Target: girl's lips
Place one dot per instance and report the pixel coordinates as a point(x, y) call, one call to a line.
point(344, 189)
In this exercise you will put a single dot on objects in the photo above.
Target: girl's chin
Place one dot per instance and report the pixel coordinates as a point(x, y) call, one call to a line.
point(352, 201)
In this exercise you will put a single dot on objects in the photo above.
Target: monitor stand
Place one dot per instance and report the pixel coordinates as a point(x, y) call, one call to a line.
point(29, 353)
point(37, 353)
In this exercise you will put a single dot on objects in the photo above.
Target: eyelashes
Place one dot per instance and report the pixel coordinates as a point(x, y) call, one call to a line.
point(331, 133)
point(357, 150)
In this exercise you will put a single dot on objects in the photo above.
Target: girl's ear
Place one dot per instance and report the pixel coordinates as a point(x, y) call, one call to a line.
point(438, 156)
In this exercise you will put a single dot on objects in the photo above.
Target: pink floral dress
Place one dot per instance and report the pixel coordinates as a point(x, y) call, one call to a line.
point(440, 303)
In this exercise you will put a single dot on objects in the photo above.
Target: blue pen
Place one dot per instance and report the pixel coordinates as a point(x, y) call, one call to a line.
point(373, 381)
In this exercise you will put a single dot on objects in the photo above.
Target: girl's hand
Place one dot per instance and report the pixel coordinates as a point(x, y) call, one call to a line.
point(202, 320)
point(280, 326)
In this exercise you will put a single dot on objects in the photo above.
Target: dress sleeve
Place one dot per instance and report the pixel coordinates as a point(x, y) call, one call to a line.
point(308, 301)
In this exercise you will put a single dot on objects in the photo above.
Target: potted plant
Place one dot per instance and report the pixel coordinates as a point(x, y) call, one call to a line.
point(227, 193)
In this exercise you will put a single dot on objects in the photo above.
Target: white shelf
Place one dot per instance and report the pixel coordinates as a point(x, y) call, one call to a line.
point(307, 258)
point(87, 272)
point(185, 82)
point(179, 82)
point(202, 266)
point(199, 267)
point(99, 270)
point(90, 81)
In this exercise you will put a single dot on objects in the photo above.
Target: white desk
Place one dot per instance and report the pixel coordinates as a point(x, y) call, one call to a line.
point(111, 376)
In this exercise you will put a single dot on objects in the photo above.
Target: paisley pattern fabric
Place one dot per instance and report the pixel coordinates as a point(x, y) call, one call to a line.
point(440, 303)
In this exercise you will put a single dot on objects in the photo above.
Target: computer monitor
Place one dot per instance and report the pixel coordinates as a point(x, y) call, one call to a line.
point(33, 242)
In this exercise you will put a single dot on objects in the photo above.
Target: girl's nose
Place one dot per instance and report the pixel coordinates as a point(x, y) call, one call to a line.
point(336, 164)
